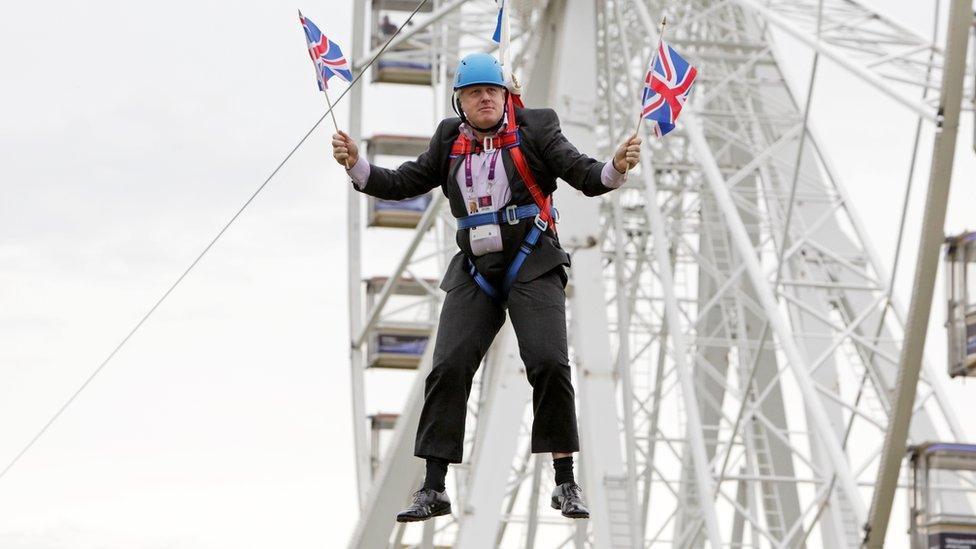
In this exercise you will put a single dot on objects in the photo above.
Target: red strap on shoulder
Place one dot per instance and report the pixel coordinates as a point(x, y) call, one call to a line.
point(543, 202)
point(517, 100)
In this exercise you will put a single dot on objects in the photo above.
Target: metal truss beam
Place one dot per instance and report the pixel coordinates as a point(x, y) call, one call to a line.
point(866, 74)
point(814, 407)
point(699, 457)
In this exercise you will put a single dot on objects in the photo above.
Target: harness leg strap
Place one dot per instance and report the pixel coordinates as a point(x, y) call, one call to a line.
point(483, 283)
point(501, 295)
point(524, 250)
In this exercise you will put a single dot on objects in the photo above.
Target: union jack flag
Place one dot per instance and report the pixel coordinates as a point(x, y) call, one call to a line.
point(325, 53)
point(666, 87)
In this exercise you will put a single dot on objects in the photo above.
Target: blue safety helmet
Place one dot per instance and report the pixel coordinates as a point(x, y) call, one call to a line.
point(478, 68)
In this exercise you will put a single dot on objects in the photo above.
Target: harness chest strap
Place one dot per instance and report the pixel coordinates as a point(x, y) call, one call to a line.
point(506, 140)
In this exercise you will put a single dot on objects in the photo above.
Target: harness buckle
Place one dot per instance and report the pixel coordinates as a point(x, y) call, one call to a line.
point(488, 144)
point(511, 215)
point(541, 223)
point(554, 213)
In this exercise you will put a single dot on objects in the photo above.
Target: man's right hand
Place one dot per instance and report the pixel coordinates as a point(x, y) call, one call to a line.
point(344, 149)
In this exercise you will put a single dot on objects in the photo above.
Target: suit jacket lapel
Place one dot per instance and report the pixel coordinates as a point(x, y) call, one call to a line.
point(453, 191)
point(452, 171)
point(509, 167)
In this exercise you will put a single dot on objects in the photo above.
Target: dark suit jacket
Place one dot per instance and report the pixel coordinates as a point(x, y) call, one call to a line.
point(549, 155)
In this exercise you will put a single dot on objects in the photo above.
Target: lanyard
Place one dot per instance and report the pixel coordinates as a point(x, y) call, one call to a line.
point(469, 180)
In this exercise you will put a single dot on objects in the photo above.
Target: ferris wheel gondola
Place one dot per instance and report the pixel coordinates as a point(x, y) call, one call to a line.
point(960, 263)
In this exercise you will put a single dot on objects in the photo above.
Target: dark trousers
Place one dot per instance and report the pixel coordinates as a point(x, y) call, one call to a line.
point(469, 322)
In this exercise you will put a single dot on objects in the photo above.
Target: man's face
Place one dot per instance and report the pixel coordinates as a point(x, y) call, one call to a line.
point(482, 105)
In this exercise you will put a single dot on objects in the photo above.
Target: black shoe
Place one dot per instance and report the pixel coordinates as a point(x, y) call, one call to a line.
point(427, 503)
point(568, 497)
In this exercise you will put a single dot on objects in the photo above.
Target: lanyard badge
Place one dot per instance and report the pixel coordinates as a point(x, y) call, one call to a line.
point(483, 203)
point(485, 238)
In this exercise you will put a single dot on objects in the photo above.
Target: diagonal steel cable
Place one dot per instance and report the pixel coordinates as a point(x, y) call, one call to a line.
point(199, 257)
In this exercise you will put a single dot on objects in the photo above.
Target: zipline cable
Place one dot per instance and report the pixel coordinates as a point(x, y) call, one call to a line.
point(173, 286)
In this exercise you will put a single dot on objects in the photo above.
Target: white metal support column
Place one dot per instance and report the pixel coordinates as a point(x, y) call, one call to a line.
point(926, 266)
point(356, 363)
point(815, 410)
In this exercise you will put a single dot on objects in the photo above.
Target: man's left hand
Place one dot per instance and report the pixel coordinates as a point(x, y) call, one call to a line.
point(627, 155)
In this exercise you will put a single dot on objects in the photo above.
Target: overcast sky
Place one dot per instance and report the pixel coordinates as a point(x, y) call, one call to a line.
point(130, 133)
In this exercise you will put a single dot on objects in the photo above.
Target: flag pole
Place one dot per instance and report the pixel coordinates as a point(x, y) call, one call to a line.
point(503, 30)
point(332, 112)
point(506, 40)
point(650, 65)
